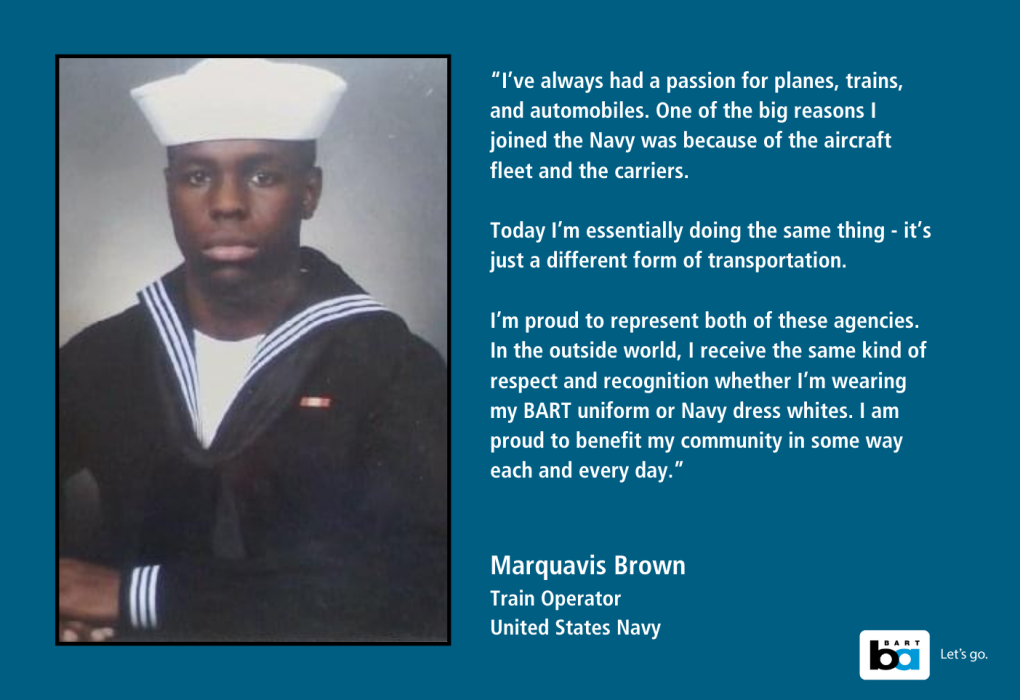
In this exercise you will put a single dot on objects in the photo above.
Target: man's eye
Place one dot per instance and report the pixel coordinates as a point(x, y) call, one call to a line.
point(264, 178)
point(196, 178)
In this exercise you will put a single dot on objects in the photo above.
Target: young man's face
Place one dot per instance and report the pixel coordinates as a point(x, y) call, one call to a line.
point(237, 206)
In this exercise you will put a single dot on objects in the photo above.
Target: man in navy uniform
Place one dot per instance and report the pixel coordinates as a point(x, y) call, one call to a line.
point(269, 442)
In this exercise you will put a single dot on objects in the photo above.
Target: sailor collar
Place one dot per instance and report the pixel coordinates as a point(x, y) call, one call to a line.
point(172, 324)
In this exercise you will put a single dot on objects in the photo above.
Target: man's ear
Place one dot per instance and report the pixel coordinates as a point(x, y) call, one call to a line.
point(312, 192)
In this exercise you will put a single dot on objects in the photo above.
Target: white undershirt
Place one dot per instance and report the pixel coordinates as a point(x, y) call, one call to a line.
point(222, 365)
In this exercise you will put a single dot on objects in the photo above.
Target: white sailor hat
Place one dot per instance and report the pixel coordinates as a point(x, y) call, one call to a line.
point(241, 98)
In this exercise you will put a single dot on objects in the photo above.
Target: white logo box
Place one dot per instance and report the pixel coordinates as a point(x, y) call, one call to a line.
point(923, 648)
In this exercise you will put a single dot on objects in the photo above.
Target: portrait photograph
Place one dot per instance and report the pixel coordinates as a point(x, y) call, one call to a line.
point(253, 332)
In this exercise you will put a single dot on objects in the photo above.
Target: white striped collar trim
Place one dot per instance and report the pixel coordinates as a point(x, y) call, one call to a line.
point(300, 325)
point(177, 345)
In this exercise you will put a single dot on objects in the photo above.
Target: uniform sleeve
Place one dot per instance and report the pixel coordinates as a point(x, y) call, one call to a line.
point(70, 431)
point(89, 367)
point(389, 581)
point(73, 439)
point(391, 591)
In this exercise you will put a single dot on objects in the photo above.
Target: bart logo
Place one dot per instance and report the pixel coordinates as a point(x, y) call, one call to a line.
point(894, 655)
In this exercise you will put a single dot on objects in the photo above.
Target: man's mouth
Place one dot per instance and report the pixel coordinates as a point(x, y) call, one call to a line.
point(230, 253)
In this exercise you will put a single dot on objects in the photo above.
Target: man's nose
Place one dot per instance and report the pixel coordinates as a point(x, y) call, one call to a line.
point(228, 199)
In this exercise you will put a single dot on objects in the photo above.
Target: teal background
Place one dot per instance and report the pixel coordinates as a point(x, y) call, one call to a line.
point(789, 556)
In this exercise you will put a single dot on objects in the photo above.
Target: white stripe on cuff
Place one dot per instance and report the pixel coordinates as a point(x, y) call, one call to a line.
point(152, 596)
point(143, 615)
point(142, 597)
point(131, 598)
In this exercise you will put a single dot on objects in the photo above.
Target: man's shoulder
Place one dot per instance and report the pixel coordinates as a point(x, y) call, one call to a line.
point(383, 339)
point(110, 338)
point(367, 330)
